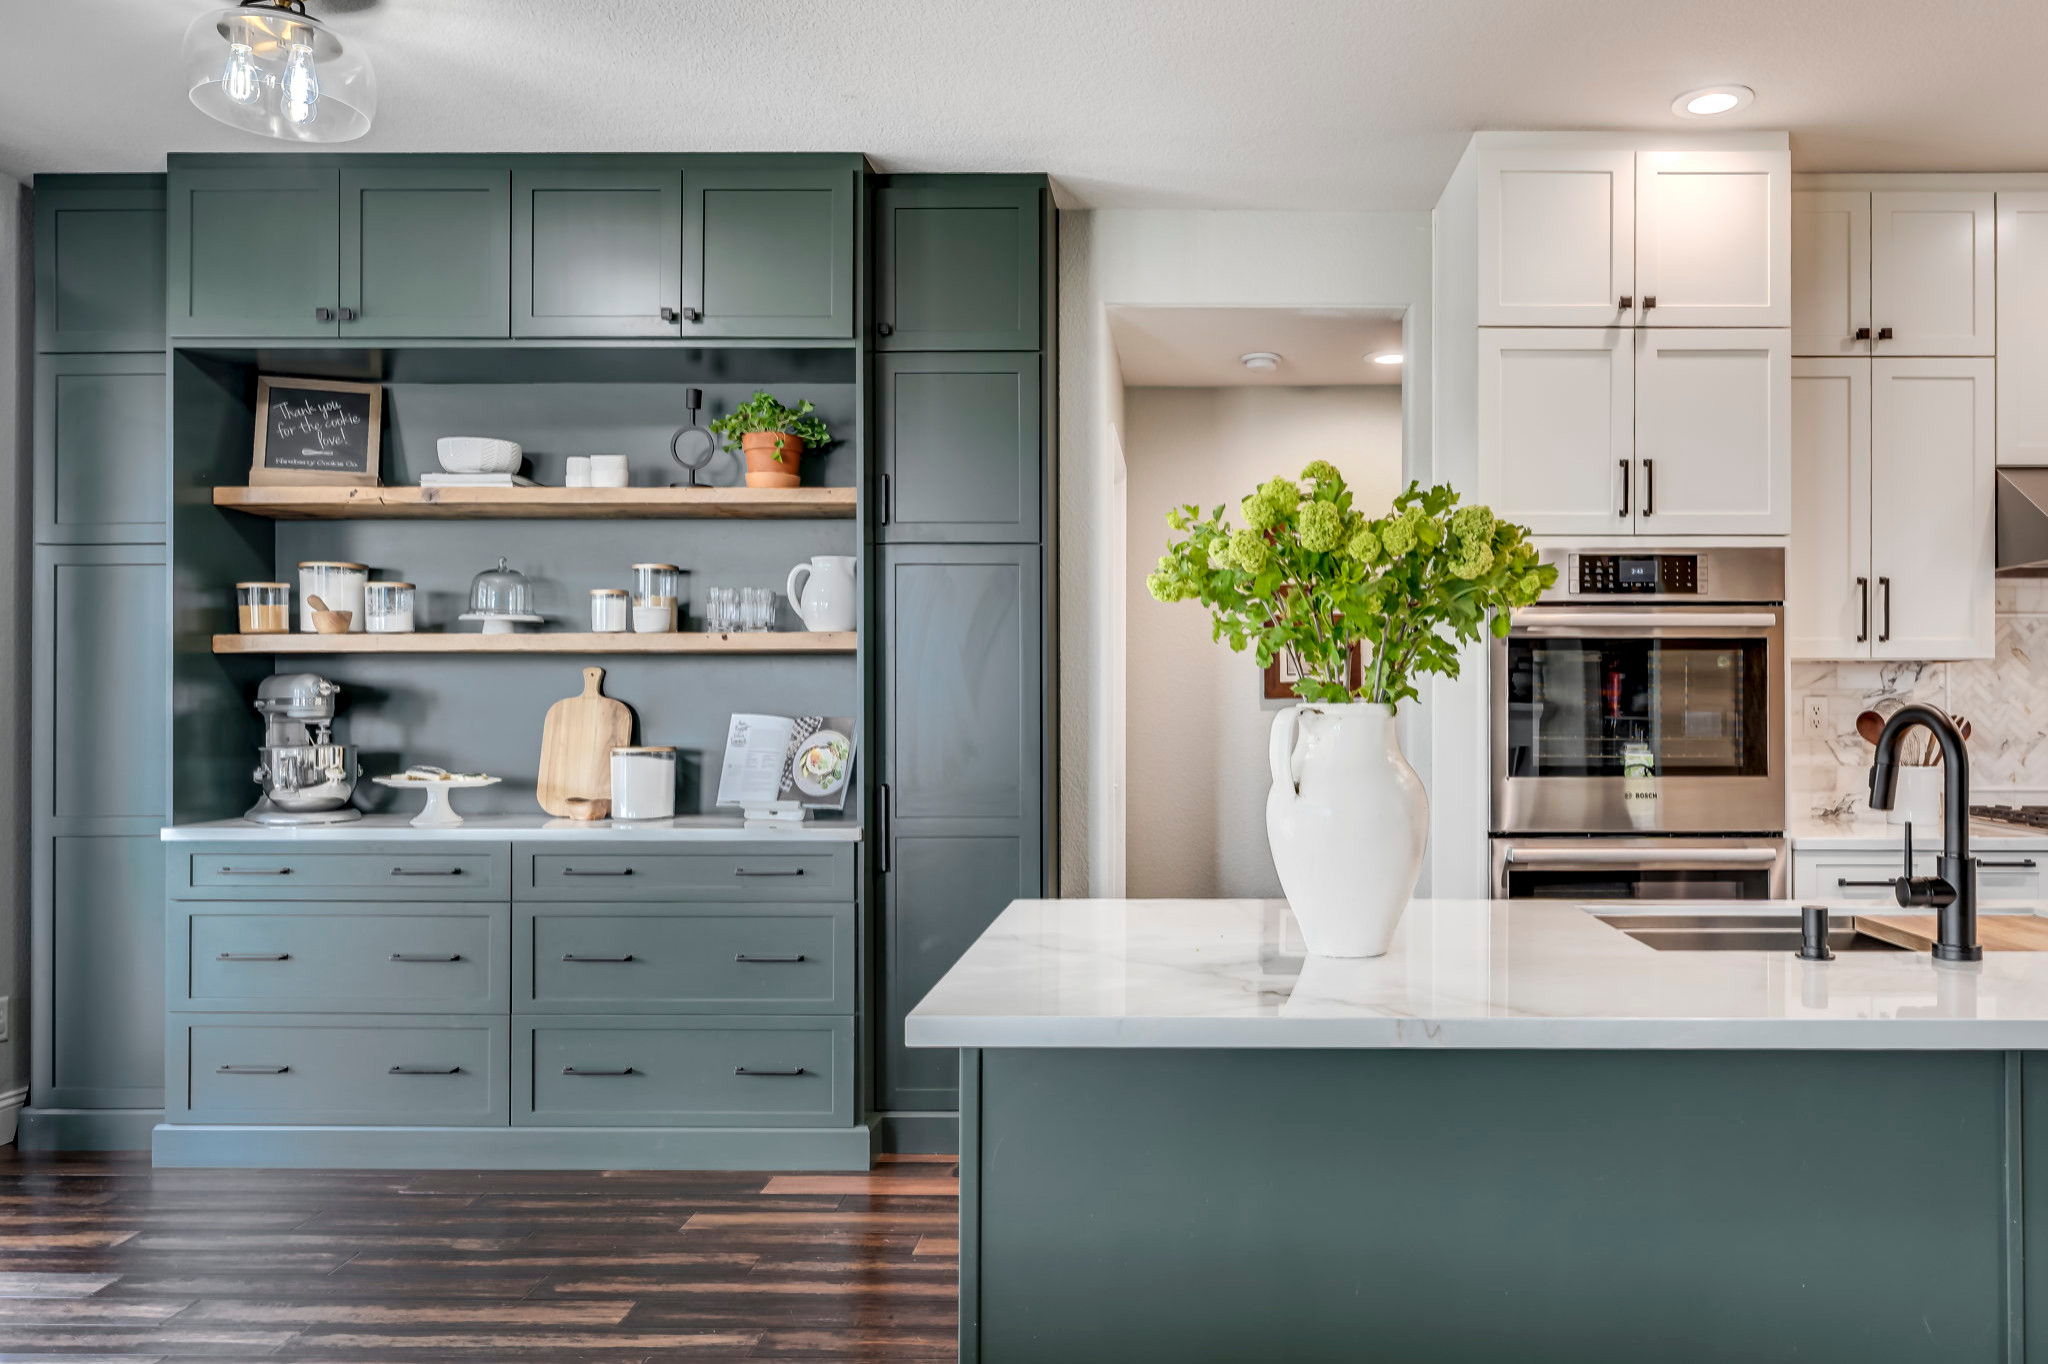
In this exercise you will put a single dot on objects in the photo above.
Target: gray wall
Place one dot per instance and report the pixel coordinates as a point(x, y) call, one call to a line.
point(16, 352)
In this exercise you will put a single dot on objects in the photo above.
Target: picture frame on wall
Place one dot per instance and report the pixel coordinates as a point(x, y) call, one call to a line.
point(1285, 670)
point(317, 433)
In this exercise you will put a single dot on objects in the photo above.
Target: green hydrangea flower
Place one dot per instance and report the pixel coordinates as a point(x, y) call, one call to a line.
point(1399, 536)
point(1530, 586)
point(1177, 519)
point(1321, 527)
point(1249, 550)
point(1269, 506)
point(1473, 524)
point(1322, 471)
point(1364, 546)
point(1471, 559)
point(1162, 587)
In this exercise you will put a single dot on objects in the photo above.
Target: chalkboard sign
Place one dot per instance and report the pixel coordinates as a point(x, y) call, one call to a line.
point(317, 432)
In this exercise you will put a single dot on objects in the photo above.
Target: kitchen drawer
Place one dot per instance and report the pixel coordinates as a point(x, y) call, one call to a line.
point(1838, 878)
point(383, 871)
point(669, 958)
point(410, 1069)
point(317, 956)
point(752, 872)
point(589, 1070)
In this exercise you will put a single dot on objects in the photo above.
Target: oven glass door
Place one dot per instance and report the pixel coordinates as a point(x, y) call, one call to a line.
point(1638, 883)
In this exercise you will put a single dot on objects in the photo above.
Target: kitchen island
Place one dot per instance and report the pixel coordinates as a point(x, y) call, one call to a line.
point(1520, 1135)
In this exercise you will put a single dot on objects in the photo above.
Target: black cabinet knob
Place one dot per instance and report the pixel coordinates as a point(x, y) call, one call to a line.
point(885, 329)
point(1884, 333)
point(692, 315)
point(1862, 334)
point(669, 314)
point(323, 314)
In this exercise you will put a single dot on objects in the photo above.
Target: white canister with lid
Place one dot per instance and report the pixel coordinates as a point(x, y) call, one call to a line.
point(338, 584)
point(643, 783)
point(607, 610)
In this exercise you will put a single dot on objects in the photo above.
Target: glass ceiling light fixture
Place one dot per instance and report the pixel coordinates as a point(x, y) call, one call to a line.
point(1712, 101)
point(268, 67)
point(1387, 357)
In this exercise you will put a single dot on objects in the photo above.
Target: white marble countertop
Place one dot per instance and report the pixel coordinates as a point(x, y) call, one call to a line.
point(524, 828)
point(1866, 832)
point(1461, 973)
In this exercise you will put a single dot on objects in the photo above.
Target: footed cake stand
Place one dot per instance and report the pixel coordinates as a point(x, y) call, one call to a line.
point(439, 814)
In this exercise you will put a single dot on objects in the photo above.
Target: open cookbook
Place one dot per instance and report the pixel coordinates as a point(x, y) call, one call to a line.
point(804, 761)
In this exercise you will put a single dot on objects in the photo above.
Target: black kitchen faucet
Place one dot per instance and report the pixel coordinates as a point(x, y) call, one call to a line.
point(1953, 893)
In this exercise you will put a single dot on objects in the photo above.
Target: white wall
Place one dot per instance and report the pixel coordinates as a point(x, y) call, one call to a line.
point(1196, 723)
point(1172, 258)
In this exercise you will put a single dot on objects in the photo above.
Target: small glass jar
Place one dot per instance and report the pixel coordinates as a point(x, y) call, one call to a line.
point(501, 591)
point(608, 610)
point(656, 585)
point(643, 783)
point(339, 585)
point(388, 608)
point(263, 608)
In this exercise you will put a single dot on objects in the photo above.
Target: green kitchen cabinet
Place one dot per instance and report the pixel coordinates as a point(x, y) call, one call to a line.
point(963, 773)
point(597, 250)
point(254, 251)
point(767, 252)
point(426, 251)
point(99, 263)
point(102, 1010)
point(100, 448)
point(960, 438)
point(958, 262)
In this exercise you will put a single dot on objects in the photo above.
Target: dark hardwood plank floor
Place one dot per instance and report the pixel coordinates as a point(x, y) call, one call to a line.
point(106, 1260)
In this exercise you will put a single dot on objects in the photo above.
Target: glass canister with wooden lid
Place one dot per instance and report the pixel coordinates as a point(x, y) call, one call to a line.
point(263, 608)
point(340, 585)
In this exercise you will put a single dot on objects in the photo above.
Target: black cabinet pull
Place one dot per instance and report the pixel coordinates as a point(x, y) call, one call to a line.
point(1862, 334)
point(1884, 636)
point(426, 871)
point(323, 314)
point(1627, 301)
point(882, 799)
point(349, 314)
point(885, 329)
point(888, 498)
point(791, 961)
point(669, 314)
point(255, 871)
point(252, 1070)
point(791, 1073)
point(2017, 864)
point(1649, 486)
point(427, 956)
point(692, 315)
point(1863, 630)
point(1884, 333)
point(598, 1070)
point(424, 1070)
point(254, 956)
point(619, 871)
point(571, 956)
point(1846, 883)
point(1649, 302)
point(1624, 487)
point(767, 871)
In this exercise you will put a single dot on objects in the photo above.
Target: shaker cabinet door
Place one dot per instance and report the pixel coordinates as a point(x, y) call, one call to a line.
point(2022, 327)
point(426, 251)
point(102, 456)
point(1931, 509)
point(597, 252)
point(1827, 563)
point(100, 266)
point(254, 251)
point(767, 252)
point(1557, 427)
point(957, 264)
point(1712, 241)
point(1831, 272)
point(1556, 238)
point(960, 447)
point(1931, 272)
point(1713, 432)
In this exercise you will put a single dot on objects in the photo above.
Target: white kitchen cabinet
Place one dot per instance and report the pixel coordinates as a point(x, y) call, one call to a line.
point(1713, 432)
point(2023, 327)
point(1556, 237)
point(1827, 562)
point(1932, 454)
point(1713, 245)
point(1931, 272)
point(1831, 272)
point(1557, 427)
point(1837, 877)
point(1892, 495)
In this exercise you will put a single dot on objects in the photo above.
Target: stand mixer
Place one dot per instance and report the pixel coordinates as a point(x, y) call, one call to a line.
point(306, 777)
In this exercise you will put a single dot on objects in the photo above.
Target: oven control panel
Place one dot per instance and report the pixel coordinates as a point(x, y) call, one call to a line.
point(1621, 574)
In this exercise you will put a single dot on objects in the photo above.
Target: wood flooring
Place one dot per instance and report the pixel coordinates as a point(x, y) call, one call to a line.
point(103, 1259)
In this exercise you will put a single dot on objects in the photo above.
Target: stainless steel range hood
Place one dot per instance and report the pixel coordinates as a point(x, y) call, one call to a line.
point(2023, 523)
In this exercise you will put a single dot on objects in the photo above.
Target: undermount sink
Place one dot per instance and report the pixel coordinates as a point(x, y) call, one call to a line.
point(1737, 932)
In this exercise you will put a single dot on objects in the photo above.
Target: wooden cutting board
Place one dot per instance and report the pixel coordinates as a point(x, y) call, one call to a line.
point(576, 744)
point(1998, 932)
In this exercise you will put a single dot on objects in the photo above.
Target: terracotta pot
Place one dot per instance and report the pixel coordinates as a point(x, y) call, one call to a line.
point(763, 469)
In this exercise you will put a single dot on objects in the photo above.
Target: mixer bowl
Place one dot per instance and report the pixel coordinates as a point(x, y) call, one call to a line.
point(309, 778)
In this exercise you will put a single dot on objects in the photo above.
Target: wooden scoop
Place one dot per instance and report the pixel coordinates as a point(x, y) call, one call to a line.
point(588, 807)
point(328, 622)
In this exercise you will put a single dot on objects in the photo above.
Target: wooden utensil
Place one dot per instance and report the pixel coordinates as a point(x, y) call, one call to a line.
point(328, 622)
point(1998, 932)
point(576, 743)
point(588, 808)
point(1870, 724)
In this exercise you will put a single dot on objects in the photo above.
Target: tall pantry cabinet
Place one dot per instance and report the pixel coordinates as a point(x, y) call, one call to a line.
point(100, 785)
point(963, 329)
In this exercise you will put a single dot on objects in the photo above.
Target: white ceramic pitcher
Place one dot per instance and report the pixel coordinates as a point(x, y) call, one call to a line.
point(824, 597)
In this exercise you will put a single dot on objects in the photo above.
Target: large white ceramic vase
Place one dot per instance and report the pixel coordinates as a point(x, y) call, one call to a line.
point(1347, 819)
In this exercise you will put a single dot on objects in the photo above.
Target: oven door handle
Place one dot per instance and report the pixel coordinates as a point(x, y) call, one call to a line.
point(1544, 618)
point(1641, 857)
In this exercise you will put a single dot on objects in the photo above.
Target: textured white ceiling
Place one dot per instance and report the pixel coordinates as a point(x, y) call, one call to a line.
point(1358, 104)
point(1200, 347)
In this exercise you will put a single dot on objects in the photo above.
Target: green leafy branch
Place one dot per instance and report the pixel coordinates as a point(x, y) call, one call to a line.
point(764, 413)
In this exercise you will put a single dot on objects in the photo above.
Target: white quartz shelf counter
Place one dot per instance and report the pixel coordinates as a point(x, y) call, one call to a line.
point(522, 828)
point(1461, 973)
point(1816, 835)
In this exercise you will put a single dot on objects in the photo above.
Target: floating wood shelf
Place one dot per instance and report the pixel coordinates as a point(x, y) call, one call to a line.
point(683, 642)
point(496, 504)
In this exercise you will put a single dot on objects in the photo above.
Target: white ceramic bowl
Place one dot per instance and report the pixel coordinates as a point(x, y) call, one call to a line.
point(478, 455)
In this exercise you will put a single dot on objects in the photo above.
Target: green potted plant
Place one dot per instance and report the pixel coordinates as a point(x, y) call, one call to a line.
point(772, 437)
point(1309, 573)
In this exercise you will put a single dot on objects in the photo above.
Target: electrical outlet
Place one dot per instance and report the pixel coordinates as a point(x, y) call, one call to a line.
point(1816, 715)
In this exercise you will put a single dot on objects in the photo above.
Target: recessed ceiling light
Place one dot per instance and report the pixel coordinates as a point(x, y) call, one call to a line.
point(1714, 99)
point(1391, 357)
point(1259, 361)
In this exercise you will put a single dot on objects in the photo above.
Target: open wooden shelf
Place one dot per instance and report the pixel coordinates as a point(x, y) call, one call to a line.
point(494, 504)
point(561, 642)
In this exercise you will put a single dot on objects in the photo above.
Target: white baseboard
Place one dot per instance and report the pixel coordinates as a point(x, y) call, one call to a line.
point(10, 1113)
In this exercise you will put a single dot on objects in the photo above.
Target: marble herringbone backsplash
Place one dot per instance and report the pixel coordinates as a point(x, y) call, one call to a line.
point(2005, 698)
